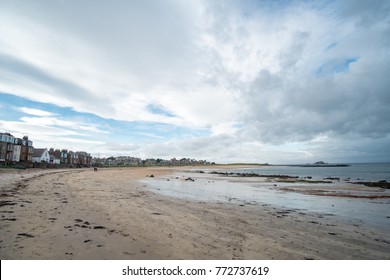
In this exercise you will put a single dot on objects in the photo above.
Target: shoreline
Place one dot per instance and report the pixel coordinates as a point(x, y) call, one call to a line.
point(351, 202)
point(109, 214)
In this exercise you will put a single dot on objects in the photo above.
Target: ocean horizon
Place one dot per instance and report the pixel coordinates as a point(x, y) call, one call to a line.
point(371, 172)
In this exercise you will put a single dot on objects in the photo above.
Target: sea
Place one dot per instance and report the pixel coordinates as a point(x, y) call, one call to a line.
point(370, 172)
point(374, 213)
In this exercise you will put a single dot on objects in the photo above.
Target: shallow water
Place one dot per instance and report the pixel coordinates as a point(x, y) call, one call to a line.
point(373, 212)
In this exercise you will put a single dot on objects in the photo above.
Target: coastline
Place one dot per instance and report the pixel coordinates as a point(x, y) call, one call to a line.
point(110, 214)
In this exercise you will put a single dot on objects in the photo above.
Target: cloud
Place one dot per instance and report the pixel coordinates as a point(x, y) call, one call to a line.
point(36, 130)
point(249, 78)
point(365, 13)
point(36, 112)
point(293, 103)
point(114, 58)
point(40, 85)
point(79, 128)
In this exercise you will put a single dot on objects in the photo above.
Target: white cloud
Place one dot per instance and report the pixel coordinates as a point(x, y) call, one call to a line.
point(79, 128)
point(38, 130)
point(36, 112)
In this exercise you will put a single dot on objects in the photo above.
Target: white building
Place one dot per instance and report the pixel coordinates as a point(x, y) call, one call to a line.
point(54, 160)
point(41, 155)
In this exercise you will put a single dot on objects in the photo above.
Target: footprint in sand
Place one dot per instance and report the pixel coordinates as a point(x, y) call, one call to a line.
point(99, 227)
point(26, 235)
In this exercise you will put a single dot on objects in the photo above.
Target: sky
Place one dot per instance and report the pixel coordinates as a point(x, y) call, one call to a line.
point(227, 81)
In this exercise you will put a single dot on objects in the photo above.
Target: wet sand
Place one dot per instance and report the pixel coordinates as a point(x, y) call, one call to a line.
point(110, 214)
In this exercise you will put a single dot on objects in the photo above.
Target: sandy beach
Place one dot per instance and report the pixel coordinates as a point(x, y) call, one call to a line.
point(110, 214)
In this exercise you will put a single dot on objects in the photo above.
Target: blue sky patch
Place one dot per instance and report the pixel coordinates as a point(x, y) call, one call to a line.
point(331, 46)
point(158, 110)
point(335, 66)
point(123, 131)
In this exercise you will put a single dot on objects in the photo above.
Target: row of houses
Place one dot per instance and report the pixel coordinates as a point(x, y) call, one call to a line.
point(62, 157)
point(133, 161)
point(15, 150)
point(21, 150)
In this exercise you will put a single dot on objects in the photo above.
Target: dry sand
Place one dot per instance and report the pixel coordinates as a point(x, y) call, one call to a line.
point(82, 214)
